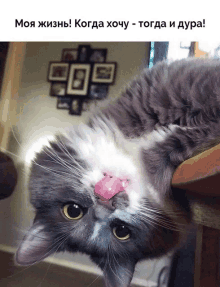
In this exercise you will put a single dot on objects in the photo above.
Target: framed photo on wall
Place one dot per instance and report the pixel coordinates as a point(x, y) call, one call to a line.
point(85, 105)
point(84, 53)
point(57, 89)
point(78, 80)
point(58, 71)
point(98, 92)
point(63, 103)
point(104, 73)
point(76, 106)
point(98, 55)
point(70, 55)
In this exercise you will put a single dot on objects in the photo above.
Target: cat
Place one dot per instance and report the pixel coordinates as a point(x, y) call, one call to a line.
point(166, 115)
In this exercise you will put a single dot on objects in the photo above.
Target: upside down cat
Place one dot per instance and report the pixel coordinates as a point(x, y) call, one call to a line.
point(163, 118)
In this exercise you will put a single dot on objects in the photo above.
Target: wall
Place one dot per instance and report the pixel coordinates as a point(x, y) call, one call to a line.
point(37, 116)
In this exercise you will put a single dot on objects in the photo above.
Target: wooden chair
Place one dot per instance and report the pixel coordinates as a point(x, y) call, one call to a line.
point(200, 177)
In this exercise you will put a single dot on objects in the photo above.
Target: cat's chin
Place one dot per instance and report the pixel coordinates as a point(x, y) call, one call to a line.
point(106, 150)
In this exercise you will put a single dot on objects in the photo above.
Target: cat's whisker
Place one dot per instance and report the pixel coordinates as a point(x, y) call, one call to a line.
point(163, 223)
point(152, 222)
point(29, 266)
point(160, 214)
point(57, 159)
point(153, 218)
point(148, 207)
point(116, 264)
point(110, 264)
point(60, 174)
point(97, 277)
point(63, 241)
point(115, 260)
point(79, 168)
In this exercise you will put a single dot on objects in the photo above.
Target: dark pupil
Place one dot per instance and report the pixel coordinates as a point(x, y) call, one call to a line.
point(73, 210)
point(122, 231)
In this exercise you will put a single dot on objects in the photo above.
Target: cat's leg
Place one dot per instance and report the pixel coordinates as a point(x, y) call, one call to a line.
point(162, 158)
point(173, 146)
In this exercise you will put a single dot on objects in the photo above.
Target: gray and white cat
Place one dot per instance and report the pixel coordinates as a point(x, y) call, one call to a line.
point(164, 117)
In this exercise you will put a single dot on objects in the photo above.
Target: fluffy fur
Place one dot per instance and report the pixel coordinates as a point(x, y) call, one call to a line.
point(164, 117)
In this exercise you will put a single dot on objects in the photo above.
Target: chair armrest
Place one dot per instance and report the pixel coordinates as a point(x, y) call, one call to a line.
point(200, 174)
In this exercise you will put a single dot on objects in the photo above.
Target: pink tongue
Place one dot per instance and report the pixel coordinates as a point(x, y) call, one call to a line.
point(109, 186)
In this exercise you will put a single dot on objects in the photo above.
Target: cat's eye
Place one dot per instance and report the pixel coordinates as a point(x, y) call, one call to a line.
point(121, 232)
point(73, 211)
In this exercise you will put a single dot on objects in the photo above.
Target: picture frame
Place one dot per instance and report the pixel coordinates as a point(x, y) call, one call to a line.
point(78, 80)
point(58, 89)
point(76, 106)
point(84, 53)
point(63, 103)
point(104, 73)
point(70, 55)
point(98, 92)
point(58, 71)
point(98, 55)
point(85, 105)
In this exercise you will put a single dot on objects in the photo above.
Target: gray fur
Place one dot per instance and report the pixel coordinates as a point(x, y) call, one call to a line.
point(185, 94)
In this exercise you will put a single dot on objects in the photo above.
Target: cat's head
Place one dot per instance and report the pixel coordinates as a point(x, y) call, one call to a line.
point(115, 233)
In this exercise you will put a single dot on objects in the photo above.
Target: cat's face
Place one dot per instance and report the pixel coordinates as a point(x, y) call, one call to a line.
point(116, 233)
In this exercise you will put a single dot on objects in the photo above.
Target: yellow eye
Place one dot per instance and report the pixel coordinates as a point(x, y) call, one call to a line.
point(121, 232)
point(72, 211)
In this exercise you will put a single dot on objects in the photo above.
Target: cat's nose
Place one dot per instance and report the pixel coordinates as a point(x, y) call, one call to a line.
point(106, 203)
point(104, 208)
point(110, 191)
point(119, 200)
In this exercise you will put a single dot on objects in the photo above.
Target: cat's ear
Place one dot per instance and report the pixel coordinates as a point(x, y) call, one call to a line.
point(35, 246)
point(118, 272)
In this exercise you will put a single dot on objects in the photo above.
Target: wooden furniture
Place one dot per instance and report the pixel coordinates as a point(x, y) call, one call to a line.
point(200, 177)
point(9, 90)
